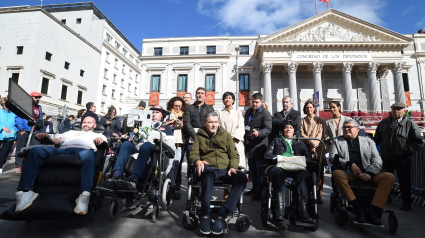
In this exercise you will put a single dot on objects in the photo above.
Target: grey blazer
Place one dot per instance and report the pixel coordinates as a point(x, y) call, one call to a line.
point(371, 160)
point(329, 128)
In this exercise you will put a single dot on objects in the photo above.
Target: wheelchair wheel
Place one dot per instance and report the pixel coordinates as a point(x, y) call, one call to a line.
point(127, 202)
point(392, 223)
point(333, 203)
point(243, 223)
point(166, 194)
point(113, 210)
point(155, 213)
point(193, 222)
point(99, 199)
point(92, 212)
point(341, 216)
point(264, 216)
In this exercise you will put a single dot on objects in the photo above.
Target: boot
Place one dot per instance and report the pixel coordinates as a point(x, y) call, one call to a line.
point(279, 201)
point(304, 216)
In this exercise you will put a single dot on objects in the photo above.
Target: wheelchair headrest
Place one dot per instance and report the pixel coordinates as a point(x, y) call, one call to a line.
point(99, 128)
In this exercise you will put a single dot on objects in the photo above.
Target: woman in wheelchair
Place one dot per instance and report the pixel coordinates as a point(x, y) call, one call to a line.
point(282, 146)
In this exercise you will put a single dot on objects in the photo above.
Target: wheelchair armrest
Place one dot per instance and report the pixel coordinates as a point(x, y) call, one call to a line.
point(268, 168)
point(169, 152)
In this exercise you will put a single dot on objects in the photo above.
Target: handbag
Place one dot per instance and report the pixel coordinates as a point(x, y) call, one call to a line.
point(293, 163)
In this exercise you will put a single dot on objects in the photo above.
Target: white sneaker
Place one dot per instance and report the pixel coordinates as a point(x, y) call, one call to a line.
point(82, 203)
point(24, 200)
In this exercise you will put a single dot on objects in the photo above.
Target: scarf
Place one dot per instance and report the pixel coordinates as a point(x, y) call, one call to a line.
point(177, 114)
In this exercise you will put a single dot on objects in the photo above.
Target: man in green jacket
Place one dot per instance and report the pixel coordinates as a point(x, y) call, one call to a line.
point(215, 155)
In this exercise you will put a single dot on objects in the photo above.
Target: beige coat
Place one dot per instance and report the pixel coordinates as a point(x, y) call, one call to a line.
point(312, 128)
point(178, 135)
point(233, 122)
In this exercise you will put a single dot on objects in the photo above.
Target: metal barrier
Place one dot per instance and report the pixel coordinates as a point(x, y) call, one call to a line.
point(418, 179)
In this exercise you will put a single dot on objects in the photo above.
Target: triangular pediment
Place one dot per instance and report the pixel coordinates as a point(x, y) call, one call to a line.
point(334, 26)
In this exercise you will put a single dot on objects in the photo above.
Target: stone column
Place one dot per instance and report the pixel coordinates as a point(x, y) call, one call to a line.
point(383, 73)
point(347, 85)
point(317, 77)
point(397, 69)
point(374, 103)
point(266, 68)
point(292, 67)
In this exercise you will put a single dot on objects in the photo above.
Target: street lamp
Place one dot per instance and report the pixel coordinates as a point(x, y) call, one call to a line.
point(237, 76)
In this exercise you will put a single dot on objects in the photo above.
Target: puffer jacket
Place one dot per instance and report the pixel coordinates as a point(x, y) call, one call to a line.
point(22, 124)
point(7, 119)
point(193, 117)
point(219, 150)
point(278, 147)
point(261, 122)
point(399, 143)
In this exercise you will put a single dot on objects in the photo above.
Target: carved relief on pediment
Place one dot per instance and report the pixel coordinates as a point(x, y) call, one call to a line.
point(329, 32)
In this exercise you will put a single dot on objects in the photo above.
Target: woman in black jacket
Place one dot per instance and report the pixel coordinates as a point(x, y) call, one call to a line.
point(287, 147)
point(111, 122)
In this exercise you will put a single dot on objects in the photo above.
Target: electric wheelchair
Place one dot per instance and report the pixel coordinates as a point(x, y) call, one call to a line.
point(291, 212)
point(58, 184)
point(364, 193)
point(154, 184)
point(191, 215)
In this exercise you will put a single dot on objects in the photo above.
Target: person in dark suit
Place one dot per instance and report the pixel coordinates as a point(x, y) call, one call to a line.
point(282, 117)
point(258, 125)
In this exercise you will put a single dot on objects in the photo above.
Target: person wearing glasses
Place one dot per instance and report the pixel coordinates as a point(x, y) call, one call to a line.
point(359, 161)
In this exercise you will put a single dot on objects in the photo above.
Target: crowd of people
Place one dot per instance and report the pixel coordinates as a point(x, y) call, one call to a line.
point(225, 144)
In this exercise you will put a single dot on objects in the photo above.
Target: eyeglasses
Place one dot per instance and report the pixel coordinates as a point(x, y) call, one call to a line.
point(348, 127)
point(38, 97)
point(177, 105)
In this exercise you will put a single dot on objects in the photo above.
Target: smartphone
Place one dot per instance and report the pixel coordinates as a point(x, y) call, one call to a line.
point(180, 118)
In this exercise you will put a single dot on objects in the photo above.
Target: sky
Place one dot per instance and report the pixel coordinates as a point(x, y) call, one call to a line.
point(140, 19)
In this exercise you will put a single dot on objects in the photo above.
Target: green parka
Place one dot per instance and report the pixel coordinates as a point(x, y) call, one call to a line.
point(219, 150)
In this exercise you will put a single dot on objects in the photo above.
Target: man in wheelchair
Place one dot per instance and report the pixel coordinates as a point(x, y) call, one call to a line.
point(215, 155)
point(282, 146)
point(358, 160)
point(145, 148)
point(82, 143)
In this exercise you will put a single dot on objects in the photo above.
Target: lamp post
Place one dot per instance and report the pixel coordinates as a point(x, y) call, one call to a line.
point(237, 49)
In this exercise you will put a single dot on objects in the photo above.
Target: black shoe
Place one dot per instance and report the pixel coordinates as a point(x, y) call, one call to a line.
point(218, 226)
point(129, 184)
point(252, 192)
point(205, 225)
point(304, 216)
point(279, 200)
point(256, 197)
point(360, 215)
point(374, 216)
point(406, 206)
point(109, 184)
point(117, 177)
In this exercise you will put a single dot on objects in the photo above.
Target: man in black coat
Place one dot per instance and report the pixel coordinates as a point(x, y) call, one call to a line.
point(258, 125)
point(400, 138)
point(282, 117)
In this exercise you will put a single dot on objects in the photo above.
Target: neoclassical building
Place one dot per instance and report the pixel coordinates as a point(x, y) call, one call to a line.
point(343, 58)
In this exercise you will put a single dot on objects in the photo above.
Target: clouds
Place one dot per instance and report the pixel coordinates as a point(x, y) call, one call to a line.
point(267, 16)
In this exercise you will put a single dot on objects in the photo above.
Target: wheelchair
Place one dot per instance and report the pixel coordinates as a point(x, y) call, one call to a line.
point(364, 193)
point(268, 209)
point(192, 210)
point(58, 184)
point(154, 184)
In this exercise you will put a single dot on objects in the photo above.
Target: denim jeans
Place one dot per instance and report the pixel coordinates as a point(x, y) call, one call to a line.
point(254, 169)
point(127, 148)
point(6, 146)
point(37, 155)
point(142, 159)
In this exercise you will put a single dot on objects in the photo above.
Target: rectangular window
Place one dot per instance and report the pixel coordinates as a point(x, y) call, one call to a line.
point(136, 78)
point(157, 51)
point(15, 77)
point(406, 82)
point(120, 96)
point(184, 50)
point(116, 63)
point(129, 87)
point(19, 50)
point(78, 20)
point(114, 79)
point(123, 68)
point(102, 106)
point(82, 73)
point(244, 82)
point(63, 21)
point(107, 56)
point(105, 73)
point(182, 83)
point(135, 90)
point(155, 83)
point(244, 50)
point(124, 52)
point(122, 82)
point(210, 82)
point(66, 65)
point(108, 37)
point(210, 50)
point(80, 97)
point(104, 89)
point(131, 58)
point(129, 73)
point(45, 86)
point(117, 45)
point(48, 56)
point(113, 93)
point(64, 90)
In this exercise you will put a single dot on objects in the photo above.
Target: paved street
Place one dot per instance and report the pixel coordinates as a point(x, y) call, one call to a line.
point(136, 222)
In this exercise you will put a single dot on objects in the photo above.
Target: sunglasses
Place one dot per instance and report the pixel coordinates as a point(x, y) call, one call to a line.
point(38, 97)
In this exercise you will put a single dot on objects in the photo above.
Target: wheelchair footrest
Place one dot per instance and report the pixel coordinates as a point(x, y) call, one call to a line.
point(367, 224)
